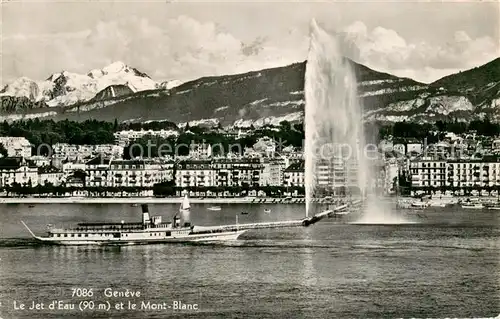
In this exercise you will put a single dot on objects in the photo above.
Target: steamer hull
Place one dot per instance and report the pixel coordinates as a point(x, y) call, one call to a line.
point(153, 231)
point(141, 239)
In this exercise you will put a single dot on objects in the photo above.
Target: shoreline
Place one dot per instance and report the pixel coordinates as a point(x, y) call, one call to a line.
point(178, 200)
point(146, 200)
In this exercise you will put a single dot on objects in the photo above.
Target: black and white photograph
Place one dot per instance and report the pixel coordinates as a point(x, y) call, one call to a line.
point(260, 159)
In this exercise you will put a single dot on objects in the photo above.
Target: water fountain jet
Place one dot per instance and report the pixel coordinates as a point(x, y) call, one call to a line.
point(334, 122)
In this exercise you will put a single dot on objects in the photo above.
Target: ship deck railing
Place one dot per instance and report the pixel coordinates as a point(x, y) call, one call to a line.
point(113, 228)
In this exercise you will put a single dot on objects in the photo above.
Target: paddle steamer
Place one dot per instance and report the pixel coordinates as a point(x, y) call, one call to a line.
point(151, 230)
point(154, 230)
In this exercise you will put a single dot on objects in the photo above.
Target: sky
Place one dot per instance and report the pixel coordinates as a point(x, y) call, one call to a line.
point(174, 40)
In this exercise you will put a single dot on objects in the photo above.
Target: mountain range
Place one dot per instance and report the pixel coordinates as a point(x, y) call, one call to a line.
point(267, 96)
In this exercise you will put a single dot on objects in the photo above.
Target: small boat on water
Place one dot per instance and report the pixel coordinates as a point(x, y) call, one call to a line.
point(214, 208)
point(472, 206)
point(419, 205)
point(267, 211)
point(437, 203)
point(493, 205)
point(244, 213)
point(472, 203)
point(411, 203)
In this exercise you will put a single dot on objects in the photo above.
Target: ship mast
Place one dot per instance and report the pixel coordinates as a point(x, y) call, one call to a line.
point(185, 212)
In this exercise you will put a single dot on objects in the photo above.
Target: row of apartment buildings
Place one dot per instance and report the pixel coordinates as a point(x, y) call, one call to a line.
point(199, 169)
point(145, 173)
point(216, 172)
point(455, 173)
point(108, 173)
point(220, 172)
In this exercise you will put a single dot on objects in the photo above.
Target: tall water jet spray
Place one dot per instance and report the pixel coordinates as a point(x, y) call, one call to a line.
point(337, 160)
point(334, 137)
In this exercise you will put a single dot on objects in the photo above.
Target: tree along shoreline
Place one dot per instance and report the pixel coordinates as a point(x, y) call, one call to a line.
point(92, 132)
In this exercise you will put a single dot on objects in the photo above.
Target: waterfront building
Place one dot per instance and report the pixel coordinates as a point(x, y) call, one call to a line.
point(243, 172)
point(294, 175)
point(456, 173)
point(127, 173)
point(50, 175)
point(69, 168)
point(336, 175)
point(138, 173)
point(17, 170)
point(98, 173)
point(326, 173)
point(477, 173)
point(158, 171)
point(428, 171)
point(222, 172)
point(273, 171)
point(194, 173)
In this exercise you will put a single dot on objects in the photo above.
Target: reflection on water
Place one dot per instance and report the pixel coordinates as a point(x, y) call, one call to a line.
point(445, 266)
point(147, 259)
point(309, 278)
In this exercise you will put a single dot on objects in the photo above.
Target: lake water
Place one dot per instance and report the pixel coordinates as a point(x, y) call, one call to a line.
point(444, 265)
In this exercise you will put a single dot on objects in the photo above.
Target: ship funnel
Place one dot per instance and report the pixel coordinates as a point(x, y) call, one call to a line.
point(177, 221)
point(145, 214)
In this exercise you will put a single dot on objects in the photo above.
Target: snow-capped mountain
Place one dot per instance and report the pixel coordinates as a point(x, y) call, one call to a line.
point(27, 88)
point(167, 85)
point(67, 88)
point(266, 97)
point(255, 98)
